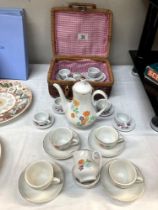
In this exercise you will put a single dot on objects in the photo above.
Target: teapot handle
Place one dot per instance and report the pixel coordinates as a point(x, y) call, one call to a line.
point(100, 92)
point(97, 157)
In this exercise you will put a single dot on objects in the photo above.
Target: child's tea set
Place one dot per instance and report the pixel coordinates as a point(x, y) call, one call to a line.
point(42, 181)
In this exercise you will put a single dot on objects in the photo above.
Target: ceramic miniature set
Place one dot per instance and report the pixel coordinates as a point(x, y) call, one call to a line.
point(92, 74)
point(42, 181)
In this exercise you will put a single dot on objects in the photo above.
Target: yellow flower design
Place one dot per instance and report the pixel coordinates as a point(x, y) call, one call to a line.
point(76, 102)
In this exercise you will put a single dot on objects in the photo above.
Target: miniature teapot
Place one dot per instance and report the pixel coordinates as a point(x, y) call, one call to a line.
point(87, 165)
point(81, 111)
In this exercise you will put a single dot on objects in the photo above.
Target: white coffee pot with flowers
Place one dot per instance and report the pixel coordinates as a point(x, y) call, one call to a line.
point(81, 111)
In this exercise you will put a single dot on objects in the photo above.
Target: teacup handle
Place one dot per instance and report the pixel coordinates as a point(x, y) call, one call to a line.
point(120, 139)
point(139, 179)
point(97, 157)
point(56, 180)
point(75, 141)
point(99, 92)
point(48, 121)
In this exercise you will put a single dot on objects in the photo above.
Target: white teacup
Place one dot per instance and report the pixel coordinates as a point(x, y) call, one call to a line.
point(77, 76)
point(122, 119)
point(64, 73)
point(93, 72)
point(100, 104)
point(63, 138)
point(40, 175)
point(123, 173)
point(108, 137)
point(41, 118)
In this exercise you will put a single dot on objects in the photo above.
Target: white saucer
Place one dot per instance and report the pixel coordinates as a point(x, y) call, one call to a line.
point(58, 111)
point(87, 185)
point(124, 195)
point(41, 196)
point(52, 120)
point(59, 154)
point(105, 152)
point(101, 78)
point(120, 128)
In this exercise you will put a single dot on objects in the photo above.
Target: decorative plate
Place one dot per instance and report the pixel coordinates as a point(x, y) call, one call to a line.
point(14, 99)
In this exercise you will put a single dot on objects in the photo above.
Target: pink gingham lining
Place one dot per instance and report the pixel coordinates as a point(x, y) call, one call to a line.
point(68, 25)
point(80, 66)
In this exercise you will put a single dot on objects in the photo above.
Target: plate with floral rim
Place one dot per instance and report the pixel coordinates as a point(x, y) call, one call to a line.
point(15, 98)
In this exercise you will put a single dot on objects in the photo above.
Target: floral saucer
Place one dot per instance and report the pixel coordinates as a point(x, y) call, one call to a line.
point(41, 196)
point(105, 152)
point(56, 153)
point(125, 195)
point(124, 129)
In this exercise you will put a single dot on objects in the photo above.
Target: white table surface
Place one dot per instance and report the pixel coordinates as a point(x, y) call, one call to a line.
point(22, 144)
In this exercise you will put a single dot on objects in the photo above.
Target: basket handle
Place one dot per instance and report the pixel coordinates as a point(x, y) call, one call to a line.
point(82, 6)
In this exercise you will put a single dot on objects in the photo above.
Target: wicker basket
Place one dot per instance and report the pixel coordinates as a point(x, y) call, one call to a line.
point(76, 53)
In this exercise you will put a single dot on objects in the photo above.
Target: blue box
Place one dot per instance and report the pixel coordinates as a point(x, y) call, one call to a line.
point(13, 48)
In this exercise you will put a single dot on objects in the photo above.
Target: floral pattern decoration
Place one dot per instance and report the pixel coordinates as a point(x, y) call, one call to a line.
point(84, 163)
point(15, 99)
point(85, 117)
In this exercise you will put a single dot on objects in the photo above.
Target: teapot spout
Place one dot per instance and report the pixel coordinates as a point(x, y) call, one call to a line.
point(64, 101)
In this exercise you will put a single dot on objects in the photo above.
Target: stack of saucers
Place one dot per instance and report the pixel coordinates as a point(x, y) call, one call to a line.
point(43, 120)
point(41, 181)
point(61, 142)
point(107, 141)
point(122, 180)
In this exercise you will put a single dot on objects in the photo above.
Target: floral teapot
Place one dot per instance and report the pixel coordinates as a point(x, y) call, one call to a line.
point(81, 110)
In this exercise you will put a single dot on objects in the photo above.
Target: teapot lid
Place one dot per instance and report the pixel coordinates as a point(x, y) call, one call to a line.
point(82, 87)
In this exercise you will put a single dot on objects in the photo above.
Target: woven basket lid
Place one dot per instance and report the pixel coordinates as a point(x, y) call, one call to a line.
point(77, 33)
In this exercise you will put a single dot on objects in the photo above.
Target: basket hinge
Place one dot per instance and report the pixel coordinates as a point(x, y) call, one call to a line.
point(67, 90)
